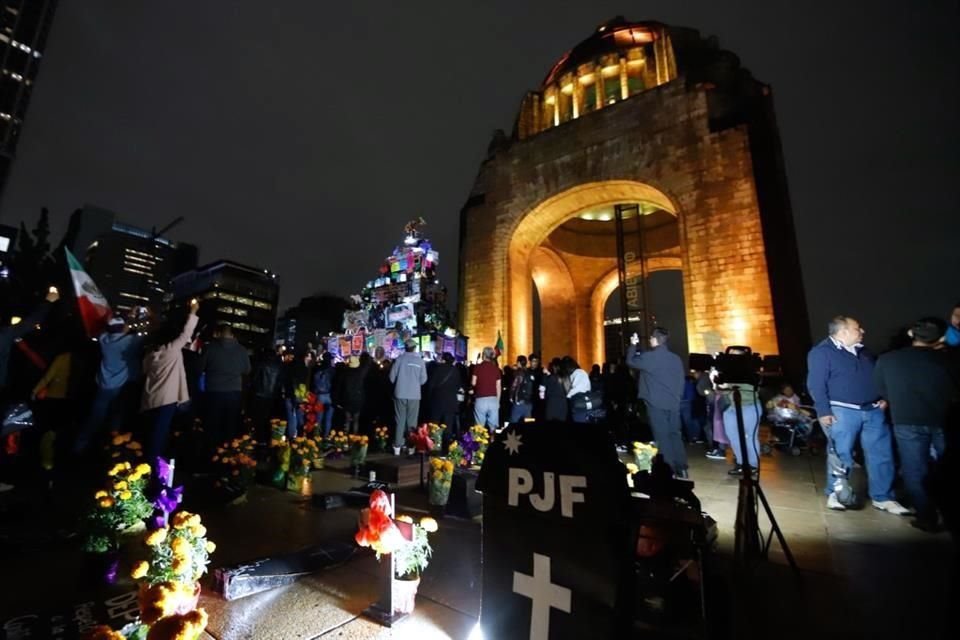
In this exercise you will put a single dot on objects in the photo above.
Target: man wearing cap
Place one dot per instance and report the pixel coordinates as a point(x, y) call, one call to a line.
point(840, 379)
point(408, 374)
point(920, 386)
point(120, 353)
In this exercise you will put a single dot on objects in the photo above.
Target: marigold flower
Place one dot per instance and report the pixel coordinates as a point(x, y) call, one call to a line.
point(135, 446)
point(429, 524)
point(178, 564)
point(143, 468)
point(118, 440)
point(185, 626)
point(156, 536)
point(199, 531)
point(210, 546)
point(180, 546)
point(140, 570)
point(117, 468)
point(100, 494)
point(125, 495)
point(405, 518)
point(105, 503)
point(120, 485)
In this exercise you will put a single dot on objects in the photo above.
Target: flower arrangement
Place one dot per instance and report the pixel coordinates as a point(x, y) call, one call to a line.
point(475, 443)
point(421, 440)
point(178, 553)
point(335, 444)
point(436, 434)
point(121, 504)
point(278, 431)
point(123, 447)
point(441, 476)
point(358, 449)
point(643, 455)
point(236, 462)
point(455, 454)
point(310, 408)
point(381, 435)
point(411, 559)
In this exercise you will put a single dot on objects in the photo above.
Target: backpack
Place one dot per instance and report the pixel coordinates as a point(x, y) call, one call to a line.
point(521, 389)
point(323, 381)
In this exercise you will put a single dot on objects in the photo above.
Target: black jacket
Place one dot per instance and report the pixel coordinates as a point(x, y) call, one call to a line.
point(555, 399)
point(225, 362)
point(442, 387)
point(267, 378)
point(919, 384)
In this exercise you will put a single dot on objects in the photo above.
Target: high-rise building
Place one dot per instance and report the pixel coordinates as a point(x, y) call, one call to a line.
point(311, 321)
point(24, 25)
point(231, 293)
point(131, 266)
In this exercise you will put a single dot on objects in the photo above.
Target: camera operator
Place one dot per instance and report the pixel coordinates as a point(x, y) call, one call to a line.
point(660, 386)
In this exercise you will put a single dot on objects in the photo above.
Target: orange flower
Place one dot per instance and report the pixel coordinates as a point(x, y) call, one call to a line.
point(103, 632)
point(179, 626)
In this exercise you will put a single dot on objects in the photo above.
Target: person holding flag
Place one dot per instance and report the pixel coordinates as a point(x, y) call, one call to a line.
point(94, 308)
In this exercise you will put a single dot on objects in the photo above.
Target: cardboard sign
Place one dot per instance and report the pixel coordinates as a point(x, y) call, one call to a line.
point(556, 544)
point(70, 623)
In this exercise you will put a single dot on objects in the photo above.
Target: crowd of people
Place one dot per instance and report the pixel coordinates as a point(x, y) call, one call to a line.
point(167, 380)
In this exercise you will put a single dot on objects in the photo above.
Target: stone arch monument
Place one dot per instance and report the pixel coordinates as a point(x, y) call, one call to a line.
point(663, 120)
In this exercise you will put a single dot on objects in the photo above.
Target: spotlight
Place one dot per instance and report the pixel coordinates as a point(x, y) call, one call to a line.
point(476, 633)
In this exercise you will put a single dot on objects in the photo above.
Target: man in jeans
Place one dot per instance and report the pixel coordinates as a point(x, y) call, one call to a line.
point(408, 374)
point(660, 386)
point(521, 391)
point(840, 379)
point(225, 361)
point(486, 390)
point(920, 386)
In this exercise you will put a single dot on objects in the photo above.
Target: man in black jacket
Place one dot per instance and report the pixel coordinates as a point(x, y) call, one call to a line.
point(443, 384)
point(264, 392)
point(920, 387)
point(224, 363)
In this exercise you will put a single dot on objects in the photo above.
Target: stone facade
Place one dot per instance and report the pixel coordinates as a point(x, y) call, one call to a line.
point(686, 148)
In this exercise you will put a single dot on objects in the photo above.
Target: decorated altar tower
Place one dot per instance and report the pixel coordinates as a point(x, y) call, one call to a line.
point(405, 300)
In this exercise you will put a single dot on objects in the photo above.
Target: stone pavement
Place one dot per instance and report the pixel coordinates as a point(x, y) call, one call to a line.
point(865, 573)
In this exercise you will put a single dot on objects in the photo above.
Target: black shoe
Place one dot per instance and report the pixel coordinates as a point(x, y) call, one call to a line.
point(736, 471)
point(926, 525)
point(716, 454)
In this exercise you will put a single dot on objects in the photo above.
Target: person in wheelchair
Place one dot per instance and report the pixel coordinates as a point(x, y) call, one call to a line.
point(786, 411)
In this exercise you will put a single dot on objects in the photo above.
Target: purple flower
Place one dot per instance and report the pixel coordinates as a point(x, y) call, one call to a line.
point(163, 471)
point(111, 574)
point(164, 503)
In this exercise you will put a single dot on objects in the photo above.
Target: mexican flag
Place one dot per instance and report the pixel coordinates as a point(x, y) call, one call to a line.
point(94, 308)
point(498, 348)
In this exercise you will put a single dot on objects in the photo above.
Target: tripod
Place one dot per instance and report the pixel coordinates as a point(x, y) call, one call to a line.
point(748, 544)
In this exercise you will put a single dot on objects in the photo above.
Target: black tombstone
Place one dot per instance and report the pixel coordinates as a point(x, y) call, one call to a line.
point(556, 552)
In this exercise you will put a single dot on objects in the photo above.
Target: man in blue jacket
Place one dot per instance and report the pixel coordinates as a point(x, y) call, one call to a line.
point(660, 386)
point(840, 379)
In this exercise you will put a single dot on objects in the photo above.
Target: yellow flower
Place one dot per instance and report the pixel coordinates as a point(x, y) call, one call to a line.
point(120, 486)
point(178, 564)
point(180, 546)
point(185, 626)
point(140, 570)
point(118, 440)
point(429, 524)
point(101, 494)
point(210, 546)
point(199, 531)
point(405, 518)
point(156, 536)
point(125, 495)
point(117, 468)
point(135, 446)
point(106, 503)
point(143, 469)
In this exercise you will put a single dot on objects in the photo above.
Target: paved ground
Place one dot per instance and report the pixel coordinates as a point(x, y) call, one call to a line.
point(865, 573)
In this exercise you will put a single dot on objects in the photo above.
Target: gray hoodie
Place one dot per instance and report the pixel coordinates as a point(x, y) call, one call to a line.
point(408, 374)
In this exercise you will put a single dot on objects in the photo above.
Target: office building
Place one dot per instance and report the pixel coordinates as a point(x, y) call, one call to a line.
point(314, 318)
point(130, 265)
point(24, 26)
point(230, 293)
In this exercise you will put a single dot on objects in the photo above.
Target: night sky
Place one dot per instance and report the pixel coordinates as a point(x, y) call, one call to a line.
point(300, 136)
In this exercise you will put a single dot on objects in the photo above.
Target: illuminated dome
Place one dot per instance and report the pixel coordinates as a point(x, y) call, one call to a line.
point(621, 59)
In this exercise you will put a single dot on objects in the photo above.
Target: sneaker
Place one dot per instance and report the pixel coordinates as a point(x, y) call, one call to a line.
point(926, 525)
point(737, 469)
point(833, 502)
point(716, 454)
point(892, 506)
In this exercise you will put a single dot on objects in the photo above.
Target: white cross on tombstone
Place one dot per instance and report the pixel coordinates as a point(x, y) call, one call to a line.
point(543, 594)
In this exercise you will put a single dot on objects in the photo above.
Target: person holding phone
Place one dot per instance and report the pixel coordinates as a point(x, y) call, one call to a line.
point(660, 387)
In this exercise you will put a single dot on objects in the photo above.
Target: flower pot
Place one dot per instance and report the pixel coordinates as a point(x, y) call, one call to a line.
point(358, 455)
point(405, 594)
point(189, 603)
point(295, 482)
point(438, 493)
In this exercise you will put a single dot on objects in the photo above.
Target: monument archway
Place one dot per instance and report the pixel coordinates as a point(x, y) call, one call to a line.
point(646, 114)
point(570, 261)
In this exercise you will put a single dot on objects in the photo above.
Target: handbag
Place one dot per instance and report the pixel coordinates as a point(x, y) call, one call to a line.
point(587, 401)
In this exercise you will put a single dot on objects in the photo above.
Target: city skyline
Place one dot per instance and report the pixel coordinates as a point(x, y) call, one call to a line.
point(263, 139)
